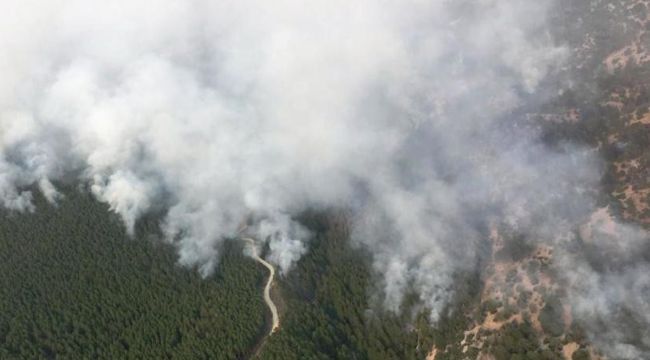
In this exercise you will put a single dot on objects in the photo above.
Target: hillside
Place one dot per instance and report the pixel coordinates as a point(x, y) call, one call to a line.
point(431, 180)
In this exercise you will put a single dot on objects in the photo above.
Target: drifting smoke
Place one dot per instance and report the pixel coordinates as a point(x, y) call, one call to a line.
point(215, 110)
point(608, 284)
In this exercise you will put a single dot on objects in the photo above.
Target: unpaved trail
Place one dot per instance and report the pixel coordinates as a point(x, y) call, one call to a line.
point(267, 289)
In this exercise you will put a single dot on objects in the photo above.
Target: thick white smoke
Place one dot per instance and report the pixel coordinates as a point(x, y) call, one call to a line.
point(216, 110)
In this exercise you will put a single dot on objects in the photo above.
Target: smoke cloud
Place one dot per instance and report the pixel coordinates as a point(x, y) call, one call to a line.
point(407, 112)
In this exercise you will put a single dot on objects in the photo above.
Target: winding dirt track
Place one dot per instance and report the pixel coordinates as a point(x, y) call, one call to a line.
point(267, 289)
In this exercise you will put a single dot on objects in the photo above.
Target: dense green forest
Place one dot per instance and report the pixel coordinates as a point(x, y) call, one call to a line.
point(73, 286)
point(327, 308)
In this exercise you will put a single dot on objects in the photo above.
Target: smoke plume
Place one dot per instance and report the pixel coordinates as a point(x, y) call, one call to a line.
point(407, 112)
